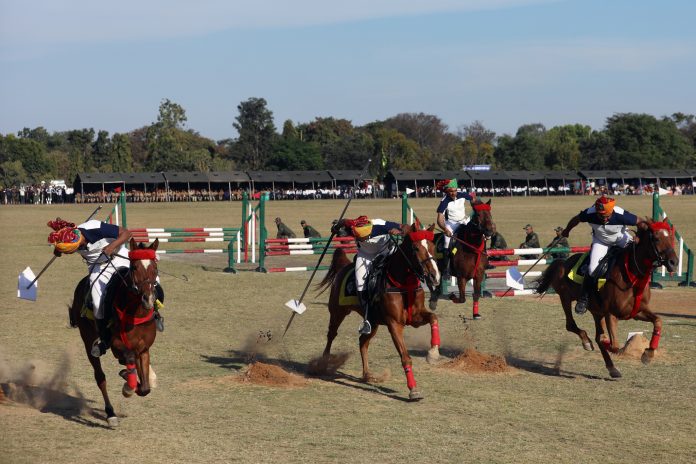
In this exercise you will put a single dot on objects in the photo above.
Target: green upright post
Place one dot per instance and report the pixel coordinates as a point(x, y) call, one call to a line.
point(262, 232)
point(122, 200)
point(404, 208)
point(656, 209)
point(230, 258)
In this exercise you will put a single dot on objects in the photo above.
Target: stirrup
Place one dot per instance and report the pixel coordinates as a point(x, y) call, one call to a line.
point(98, 348)
point(159, 321)
point(581, 305)
point(365, 328)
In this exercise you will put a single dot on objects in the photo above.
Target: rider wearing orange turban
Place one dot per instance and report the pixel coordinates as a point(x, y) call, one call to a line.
point(609, 228)
point(101, 245)
point(372, 237)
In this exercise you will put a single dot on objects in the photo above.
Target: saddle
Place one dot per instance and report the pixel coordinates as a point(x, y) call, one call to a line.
point(578, 273)
point(108, 298)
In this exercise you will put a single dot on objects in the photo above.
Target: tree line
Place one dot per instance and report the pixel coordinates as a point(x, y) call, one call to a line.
point(407, 141)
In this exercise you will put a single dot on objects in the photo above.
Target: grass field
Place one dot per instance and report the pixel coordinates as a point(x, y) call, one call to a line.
point(556, 402)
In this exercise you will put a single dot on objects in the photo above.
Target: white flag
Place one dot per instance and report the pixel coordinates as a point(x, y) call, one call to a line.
point(409, 191)
point(25, 279)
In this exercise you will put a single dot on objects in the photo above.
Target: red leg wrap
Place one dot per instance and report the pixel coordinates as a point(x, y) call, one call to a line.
point(655, 339)
point(434, 334)
point(410, 379)
point(476, 307)
point(607, 344)
point(131, 376)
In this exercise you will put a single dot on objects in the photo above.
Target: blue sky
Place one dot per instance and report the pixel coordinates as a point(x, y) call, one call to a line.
point(107, 65)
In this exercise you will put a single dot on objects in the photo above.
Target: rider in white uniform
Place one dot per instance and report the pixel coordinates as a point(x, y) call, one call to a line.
point(98, 243)
point(609, 228)
point(451, 213)
point(372, 238)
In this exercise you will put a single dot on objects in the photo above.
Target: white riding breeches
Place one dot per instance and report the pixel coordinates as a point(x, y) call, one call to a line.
point(99, 279)
point(452, 227)
point(599, 250)
point(363, 264)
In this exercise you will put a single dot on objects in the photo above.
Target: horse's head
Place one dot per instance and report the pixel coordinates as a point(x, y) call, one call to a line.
point(482, 218)
point(657, 239)
point(143, 271)
point(420, 244)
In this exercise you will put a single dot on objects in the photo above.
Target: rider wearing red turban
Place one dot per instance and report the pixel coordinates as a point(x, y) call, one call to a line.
point(101, 245)
point(609, 228)
point(372, 238)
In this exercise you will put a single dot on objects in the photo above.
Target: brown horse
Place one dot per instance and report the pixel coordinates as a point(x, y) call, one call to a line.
point(468, 255)
point(626, 293)
point(133, 325)
point(400, 302)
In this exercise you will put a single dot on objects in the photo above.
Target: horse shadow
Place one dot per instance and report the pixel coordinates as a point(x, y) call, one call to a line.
point(238, 360)
point(549, 369)
point(52, 401)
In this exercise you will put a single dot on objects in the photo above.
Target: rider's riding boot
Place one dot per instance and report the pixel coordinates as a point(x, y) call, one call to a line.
point(365, 327)
point(446, 255)
point(102, 344)
point(583, 300)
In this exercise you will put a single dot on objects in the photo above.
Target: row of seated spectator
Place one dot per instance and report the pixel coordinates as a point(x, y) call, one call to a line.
point(35, 195)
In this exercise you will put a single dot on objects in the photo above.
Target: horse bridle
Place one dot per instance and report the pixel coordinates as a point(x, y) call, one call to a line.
point(420, 273)
point(659, 260)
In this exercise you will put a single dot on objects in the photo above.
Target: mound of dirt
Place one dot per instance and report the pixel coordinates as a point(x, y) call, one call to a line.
point(327, 365)
point(634, 347)
point(473, 361)
point(274, 376)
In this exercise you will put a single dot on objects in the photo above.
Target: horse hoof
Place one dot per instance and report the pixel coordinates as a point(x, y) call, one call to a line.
point(588, 346)
point(614, 373)
point(647, 356)
point(477, 317)
point(414, 395)
point(112, 421)
point(127, 391)
point(433, 355)
point(432, 305)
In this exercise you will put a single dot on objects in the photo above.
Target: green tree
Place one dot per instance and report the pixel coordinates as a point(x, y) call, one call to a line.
point(257, 134)
point(526, 151)
point(119, 157)
point(563, 146)
point(101, 149)
point(12, 173)
point(478, 144)
point(31, 155)
point(295, 155)
point(643, 141)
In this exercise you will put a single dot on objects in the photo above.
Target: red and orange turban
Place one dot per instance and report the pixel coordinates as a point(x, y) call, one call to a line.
point(605, 206)
point(65, 237)
point(361, 226)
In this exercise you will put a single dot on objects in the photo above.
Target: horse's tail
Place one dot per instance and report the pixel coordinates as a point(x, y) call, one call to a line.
point(338, 262)
point(547, 277)
point(78, 301)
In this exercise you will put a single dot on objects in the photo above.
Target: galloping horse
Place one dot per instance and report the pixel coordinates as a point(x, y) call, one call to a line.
point(133, 330)
point(626, 293)
point(469, 259)
point(400, 303)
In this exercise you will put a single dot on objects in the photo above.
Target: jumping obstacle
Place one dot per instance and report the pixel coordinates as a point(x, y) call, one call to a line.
point(685, 269)
point(228, 236)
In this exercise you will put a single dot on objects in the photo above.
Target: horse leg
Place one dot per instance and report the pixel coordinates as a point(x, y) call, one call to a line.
point(599, 337)
point(142, 364)
point(434, 351)
point(130, 374)
point(647, 315)
point(476, 295)
point(610, 325)
point(88, 334)
point(337, 315)
point(397, 333)
point(571, 326)
point(364, 345)
point(461, 285)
